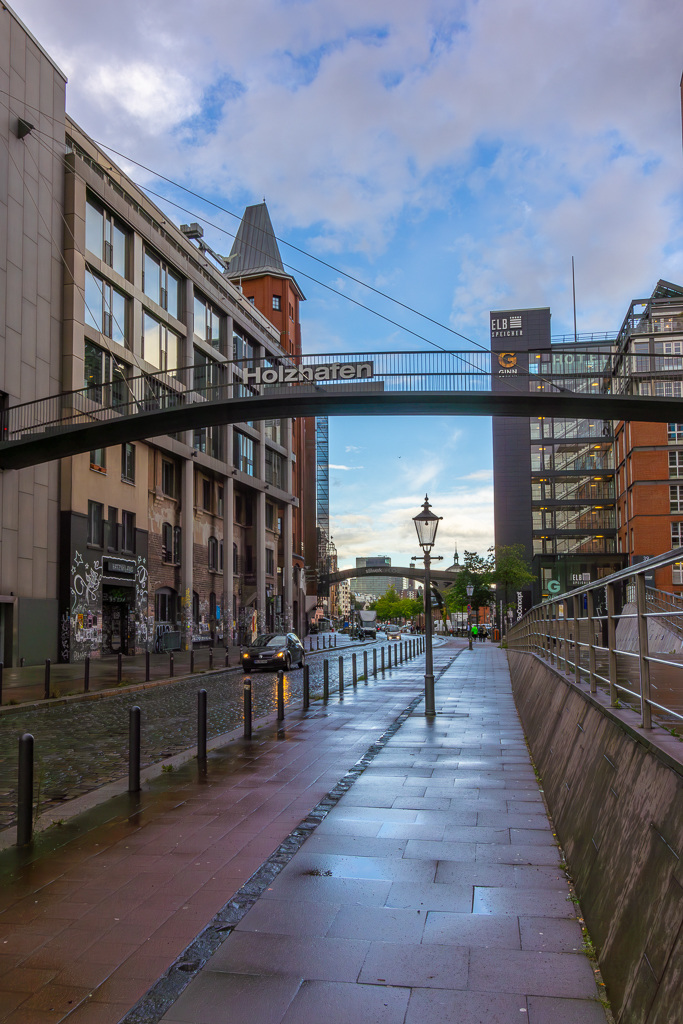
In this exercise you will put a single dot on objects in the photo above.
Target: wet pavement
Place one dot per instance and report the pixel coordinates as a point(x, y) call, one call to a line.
point(361, 864)
point(82, 743)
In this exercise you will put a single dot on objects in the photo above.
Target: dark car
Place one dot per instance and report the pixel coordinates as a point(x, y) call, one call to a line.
point(274, 650)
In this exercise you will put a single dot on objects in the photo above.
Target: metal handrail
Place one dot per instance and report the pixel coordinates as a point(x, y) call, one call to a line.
point(562, 631)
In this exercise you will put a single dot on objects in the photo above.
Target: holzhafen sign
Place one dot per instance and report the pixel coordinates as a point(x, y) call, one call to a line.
point(306, 374)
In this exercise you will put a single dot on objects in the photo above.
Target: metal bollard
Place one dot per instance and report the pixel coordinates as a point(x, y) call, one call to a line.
point(365, 666)
point(210, 658)
point(119, 667)
point(354, 673)
point(171, 671)
point(86, 674)
point(326, 679)
point(374, 663)
point(47, 678)
point(201, 725)
point(341, 675)
point(146, 666)
point(25, 791)
point(317, 643)
point(247, 708)
point(307, 689)
point(134, 750)
point(382, 650)
point(335, 639)
point(192, 661)
point(227, 657)
point(280, 695)
point(389, 656)
point(400, 651)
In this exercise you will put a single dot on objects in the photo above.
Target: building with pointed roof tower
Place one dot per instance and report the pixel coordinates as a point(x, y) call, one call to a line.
point(256, 267)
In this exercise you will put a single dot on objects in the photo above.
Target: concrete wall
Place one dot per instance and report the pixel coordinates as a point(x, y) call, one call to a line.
point(615, 792)
point(31, 191)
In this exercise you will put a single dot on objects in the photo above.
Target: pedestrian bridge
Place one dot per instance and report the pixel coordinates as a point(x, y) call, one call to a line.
point(443, 577)
point(132, 407)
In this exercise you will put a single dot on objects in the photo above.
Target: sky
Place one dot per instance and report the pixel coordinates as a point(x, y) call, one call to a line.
point(454, 155)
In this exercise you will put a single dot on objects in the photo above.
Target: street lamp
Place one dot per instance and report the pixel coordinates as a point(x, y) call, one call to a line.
point(470, 590)
point(426, 524)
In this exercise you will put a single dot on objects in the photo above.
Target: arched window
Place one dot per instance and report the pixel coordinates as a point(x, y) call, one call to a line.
point(165, 605)
point(176, 545)
point(213, 554)
point(235, 561)
point(195, 607)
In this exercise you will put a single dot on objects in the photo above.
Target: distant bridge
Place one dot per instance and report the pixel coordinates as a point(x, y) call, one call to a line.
point(444, 577)
point(130, 408)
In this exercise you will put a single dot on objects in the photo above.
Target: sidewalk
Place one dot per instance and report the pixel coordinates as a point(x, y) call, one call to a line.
point(105, 903)
point(431, 891)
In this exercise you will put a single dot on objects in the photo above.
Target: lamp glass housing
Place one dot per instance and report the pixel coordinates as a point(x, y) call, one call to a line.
point(426, 524)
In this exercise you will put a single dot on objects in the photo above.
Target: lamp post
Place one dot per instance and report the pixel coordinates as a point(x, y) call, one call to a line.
point(426, 525)
point(470, 590)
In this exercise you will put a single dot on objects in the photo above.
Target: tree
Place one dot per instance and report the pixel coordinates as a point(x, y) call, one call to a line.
point(512, 571)
point(387, 606)
point(477, 571)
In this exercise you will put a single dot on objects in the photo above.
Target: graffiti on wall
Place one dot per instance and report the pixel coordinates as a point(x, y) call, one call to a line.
point(85, 612)
point(143, 634)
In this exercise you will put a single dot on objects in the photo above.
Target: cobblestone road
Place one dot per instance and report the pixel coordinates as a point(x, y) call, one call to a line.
point(84, 744)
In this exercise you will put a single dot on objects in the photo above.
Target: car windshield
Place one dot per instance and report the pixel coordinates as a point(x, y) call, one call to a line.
point(270, 640)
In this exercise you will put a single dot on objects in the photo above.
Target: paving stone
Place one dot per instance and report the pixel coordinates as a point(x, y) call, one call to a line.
point(417, 966)
point(443, 1007)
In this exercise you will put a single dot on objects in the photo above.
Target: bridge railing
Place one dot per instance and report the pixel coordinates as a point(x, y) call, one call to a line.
point(129, 394)
point(585, 634)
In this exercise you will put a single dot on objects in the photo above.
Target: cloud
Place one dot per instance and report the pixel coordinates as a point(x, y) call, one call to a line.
point(348, 468)
point(353, 448)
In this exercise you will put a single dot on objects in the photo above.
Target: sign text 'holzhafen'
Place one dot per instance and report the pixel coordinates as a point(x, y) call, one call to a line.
point(307, 374)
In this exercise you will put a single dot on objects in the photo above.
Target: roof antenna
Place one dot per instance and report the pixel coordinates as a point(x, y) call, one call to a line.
point(574, 298)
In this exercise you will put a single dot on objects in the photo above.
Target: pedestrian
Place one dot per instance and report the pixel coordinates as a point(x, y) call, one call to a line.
point(474, 631)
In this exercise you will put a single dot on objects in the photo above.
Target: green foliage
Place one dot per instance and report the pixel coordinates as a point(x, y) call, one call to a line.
point(512, 571)
point(476, 571)
point(390, 606)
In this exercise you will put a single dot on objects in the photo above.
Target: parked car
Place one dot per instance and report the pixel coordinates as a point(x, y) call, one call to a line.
point(274, 650)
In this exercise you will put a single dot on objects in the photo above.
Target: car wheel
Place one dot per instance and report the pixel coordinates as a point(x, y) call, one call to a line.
point(288, 663)
point(302, 660)
point(245, 667)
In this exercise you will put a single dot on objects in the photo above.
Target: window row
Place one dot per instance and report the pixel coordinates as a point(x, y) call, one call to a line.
point(98, 461)
point(119, 536)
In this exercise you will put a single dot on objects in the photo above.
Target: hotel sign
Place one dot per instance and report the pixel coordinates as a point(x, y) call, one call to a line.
point(308, 374)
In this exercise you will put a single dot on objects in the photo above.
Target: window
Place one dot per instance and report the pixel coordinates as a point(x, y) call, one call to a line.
point(128, 532)
point(676, 535)
point(220, 556)
point(208, 374)
point(677, 572)
point(207, 322)
point(206, 495)
point(167, 543)
point(676, 498)
point(242, 348)
point(176, 544)
point(270, 516)
point(210, 441)
point(219, 510)
point(112, 529)
point(168, 478)
point(275, 469)
point(243, 452)
point(213, 554)
point(675, 464)
point(98, 460)
point(273, 430)
point(166, 605)
point(669, 388)
point(105, 308)
point(128, 463)
point(235, 560)
point(96, 524)
point(270, 562)
point(674, 432)
point(105, 236)
point(251, 298)
point(100, 369)
point(277, 302)
point(159, 344)
point(161, 284)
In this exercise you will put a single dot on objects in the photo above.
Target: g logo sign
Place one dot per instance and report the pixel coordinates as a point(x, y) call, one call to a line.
point(553, 586)
point(507, 359)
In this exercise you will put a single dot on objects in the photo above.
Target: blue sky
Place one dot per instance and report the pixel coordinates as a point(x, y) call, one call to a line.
point(453, 154)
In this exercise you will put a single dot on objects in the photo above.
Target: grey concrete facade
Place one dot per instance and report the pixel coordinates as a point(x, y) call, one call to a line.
point(31, 231)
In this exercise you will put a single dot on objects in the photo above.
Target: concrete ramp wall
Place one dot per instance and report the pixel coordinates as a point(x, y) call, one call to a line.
point(616, 796)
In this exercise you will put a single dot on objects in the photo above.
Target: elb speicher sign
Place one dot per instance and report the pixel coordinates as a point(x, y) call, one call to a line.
point(307, 374)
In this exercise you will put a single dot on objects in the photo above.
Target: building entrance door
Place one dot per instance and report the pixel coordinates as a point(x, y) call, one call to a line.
point(118, 613)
